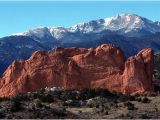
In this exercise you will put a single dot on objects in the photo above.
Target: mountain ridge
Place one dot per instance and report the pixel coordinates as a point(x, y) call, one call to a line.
point(115, 30)
point(125, 22)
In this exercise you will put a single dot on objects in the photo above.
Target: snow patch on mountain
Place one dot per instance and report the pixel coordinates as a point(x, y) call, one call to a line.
point(58, 32)
point(124, 21)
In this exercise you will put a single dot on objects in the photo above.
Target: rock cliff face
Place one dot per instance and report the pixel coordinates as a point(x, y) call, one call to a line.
point(75, 68)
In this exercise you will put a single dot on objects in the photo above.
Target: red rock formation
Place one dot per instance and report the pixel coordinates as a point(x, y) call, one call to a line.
point(137, 76)
point(75, 68)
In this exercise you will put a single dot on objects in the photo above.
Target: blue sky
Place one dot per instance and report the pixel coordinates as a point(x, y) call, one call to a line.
point(20, 16)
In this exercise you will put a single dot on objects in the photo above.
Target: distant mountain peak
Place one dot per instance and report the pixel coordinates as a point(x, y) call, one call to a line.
point(124, 24)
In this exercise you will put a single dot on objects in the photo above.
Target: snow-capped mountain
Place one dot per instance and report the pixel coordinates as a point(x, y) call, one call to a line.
point(129, 31)
point(124, 24)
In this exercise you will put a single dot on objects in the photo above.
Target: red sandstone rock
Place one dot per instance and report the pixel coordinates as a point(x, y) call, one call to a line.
point(137, 76)
point(75, 68)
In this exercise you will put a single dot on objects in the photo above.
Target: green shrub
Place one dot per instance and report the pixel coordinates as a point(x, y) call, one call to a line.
point(106, 112)
point(97, 106)
point(103, 92)
point(91, 93)
point(46, 98)
point(4, 99)
point(16, 106)
point(20, 97)
point(38, 104)
point(129, 105)
point(122, 115)
point(102, 110)
point(69, 95)
point(41, 91)
point(145, 100)
point(59, 113)
point(139, 99)
point(131, 98)
point(64, 109)
point(80, 111)
point(2, 115)
point(124, 98)
point(115, 101)
point(16, 102)
point(86, 94)
point(90, 105)
point(144, 116)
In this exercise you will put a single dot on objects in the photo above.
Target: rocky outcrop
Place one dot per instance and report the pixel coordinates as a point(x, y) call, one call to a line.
point(76, 68)
point(137, 75)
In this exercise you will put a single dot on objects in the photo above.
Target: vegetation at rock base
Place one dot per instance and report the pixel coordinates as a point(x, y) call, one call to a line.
point(84, 103)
